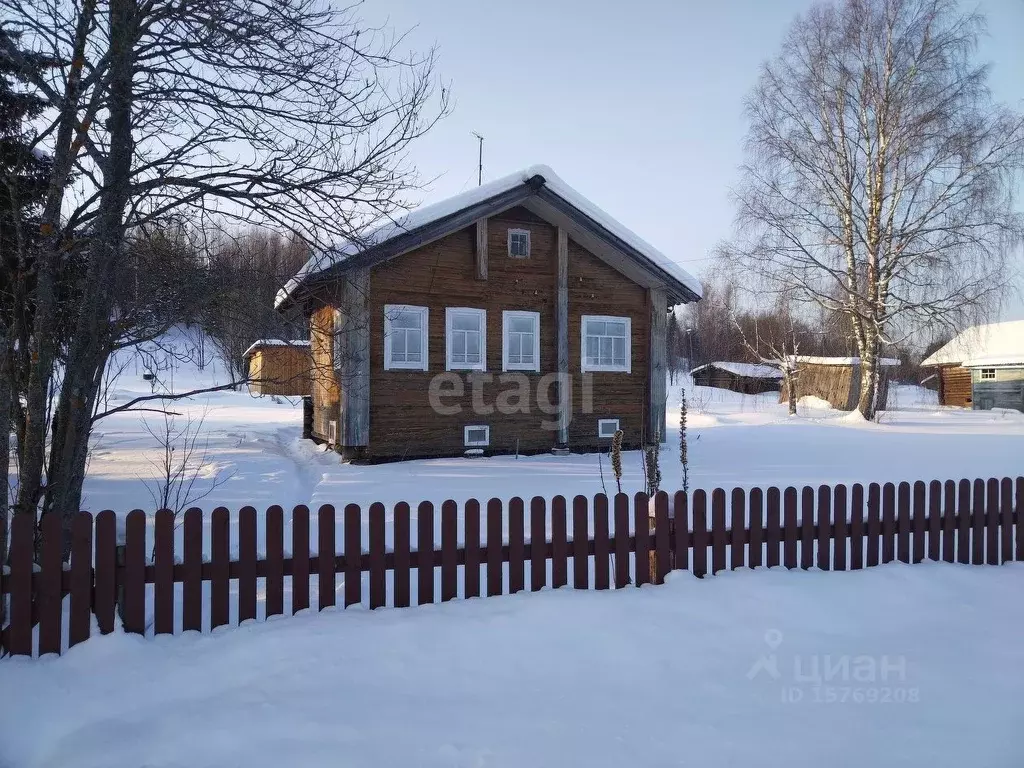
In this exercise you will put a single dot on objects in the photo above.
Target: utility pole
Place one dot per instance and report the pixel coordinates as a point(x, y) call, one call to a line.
point(480, 159)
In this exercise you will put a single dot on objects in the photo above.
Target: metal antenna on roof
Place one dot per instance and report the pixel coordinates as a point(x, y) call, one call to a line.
point(480, 161)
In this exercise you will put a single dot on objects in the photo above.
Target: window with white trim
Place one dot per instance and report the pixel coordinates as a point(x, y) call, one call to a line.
point(988, 373)
point(519, 243)
point(405, 337)
point(607, 427)
point(466, 339)
point(476, 435)
point(520, 337)
point(605, 343)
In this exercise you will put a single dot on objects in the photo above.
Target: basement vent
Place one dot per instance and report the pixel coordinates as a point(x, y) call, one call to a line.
point(607, 427)
point(478, 435)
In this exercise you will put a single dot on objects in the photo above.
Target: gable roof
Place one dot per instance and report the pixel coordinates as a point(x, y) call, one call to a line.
point(995, 341)
point(538, 186)
point(749, 370)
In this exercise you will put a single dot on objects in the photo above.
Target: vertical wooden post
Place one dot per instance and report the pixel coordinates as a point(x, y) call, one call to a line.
point(353, 344)
point(480, 252)
point(562, 336)
point(657, 364)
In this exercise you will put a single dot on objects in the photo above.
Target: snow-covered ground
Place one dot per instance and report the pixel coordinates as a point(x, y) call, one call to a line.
point(899, 665)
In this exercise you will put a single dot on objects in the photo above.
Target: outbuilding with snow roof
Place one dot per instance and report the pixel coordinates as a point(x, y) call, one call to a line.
point(982, 367)
point(747, 378)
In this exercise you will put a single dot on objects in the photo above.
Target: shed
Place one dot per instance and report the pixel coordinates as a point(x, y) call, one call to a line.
point(837, 380)
point(748, 378)
point(279, 367)
point(985, 361)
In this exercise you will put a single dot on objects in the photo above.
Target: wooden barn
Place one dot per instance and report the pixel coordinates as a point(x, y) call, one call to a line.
point(279, 367)
point(748, 378)
point(837, 380)
point(514, 317)
point(982, 367)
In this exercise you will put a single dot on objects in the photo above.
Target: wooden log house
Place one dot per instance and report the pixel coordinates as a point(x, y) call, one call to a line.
point(982, 367)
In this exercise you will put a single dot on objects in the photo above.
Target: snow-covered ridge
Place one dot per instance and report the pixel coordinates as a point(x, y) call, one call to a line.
point(420, 217)
point(750, 370)
point(995, 341)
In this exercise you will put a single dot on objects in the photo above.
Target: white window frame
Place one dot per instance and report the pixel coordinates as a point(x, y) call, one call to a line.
point(389, 311)
point(449, 314)
point(586, 367)
point(602, 423)
point(465, 436)
point(506, 317)
point(983, 377)
point(529, 244)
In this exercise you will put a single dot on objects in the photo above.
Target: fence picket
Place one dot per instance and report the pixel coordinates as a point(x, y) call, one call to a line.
point(50, 574)
point(888, 523)
point(192, 582)
point(681, 529)
point(718, 525)
point(247, 564)
point(134, 590)
point(516, 546)
point(992, 522)
point(642, 533)
point(806, 527)
point(919, 521)
point(300, 558)
point(472, 546)
point(19, 582)
point(449, 559)
point(494, 543)
point(949, 524)
point(935, 520)
point(220, 556)
point(663, 552)
point(1020, 519)
point(538, 539)
point(824, 521)
point(105, 580)
point(856, 527)
point(756, 517)
point(839, 516)
point(738, 527)
point(1006, 524)
point(874, 529)
point(81, 579)
point(163, 569)
point(700, 533)
point(274, 545)
point(559, 544)
point(978, 523)
point(903, 523)
point(963, 512)
point(326, 546)
point(402, 547)
point(580, 542)
point(425, 547)
point(602, 571)
point(621, 540)
point(773, 527)
point(352, 538)
point(378, 578)
point(790, 534)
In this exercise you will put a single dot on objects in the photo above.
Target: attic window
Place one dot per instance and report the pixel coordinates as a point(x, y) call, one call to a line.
point(988, 373)
point(519, 243)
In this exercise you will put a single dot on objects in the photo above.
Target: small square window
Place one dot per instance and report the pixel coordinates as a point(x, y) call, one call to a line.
point(519, 243)
point(477, 435)
point(606, 428)
point(988, 373)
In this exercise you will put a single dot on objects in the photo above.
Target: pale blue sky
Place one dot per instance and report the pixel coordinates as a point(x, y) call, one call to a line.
point(638, 105)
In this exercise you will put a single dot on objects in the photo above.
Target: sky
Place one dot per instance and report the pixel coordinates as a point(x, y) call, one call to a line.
point(637, 105)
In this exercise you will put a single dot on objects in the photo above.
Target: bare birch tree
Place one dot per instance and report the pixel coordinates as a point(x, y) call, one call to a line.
point(879, 174)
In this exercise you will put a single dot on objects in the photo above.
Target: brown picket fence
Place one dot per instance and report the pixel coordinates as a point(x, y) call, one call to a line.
point(830, 528)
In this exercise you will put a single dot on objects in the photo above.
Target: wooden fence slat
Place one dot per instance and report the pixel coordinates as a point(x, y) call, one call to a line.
point(874, 529)
point(50, 575)
point(192, 560)
point(807, 527)
point(935, 520)
point(163, 568)
point(580, 542)
point(856, 527)
point(559, 544)
point(274, 538)
point(516, 546)
point(755, 506)
point(246, 564)
point(602, 541)
point(824, 521)
point(992, 522)
point(920, 521)
point(494, 544)
point(425, 547)
point(1006, 524)
point(326, 547)
point(1019, 532)
point(105, 560)
point(839, 517)
point(300, 558)
point(773, 527)
point(449, 548)
point(738, 527)
point(663, 552)
point(949, 525)
point(700, 533)
point(378, 576)
point(888, 523)
point(472, 546)
point(963, 513)
point(642, 534)
point(978, 523)
point(538, 541)
point(402, 547)
point(790, 533)
point(220, 556)
point(352, 538)
point(621, 503)
point(134, 608)
point(681, 530)
point(19, 582)
point(81, 579)
point(903, 523)
point(718, 528)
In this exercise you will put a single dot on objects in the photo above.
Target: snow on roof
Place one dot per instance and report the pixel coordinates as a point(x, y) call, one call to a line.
point(995, 361)
point(750, 370)
point(995, 340)
point(275, 343)
point(885, 362)
point(427, 214)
